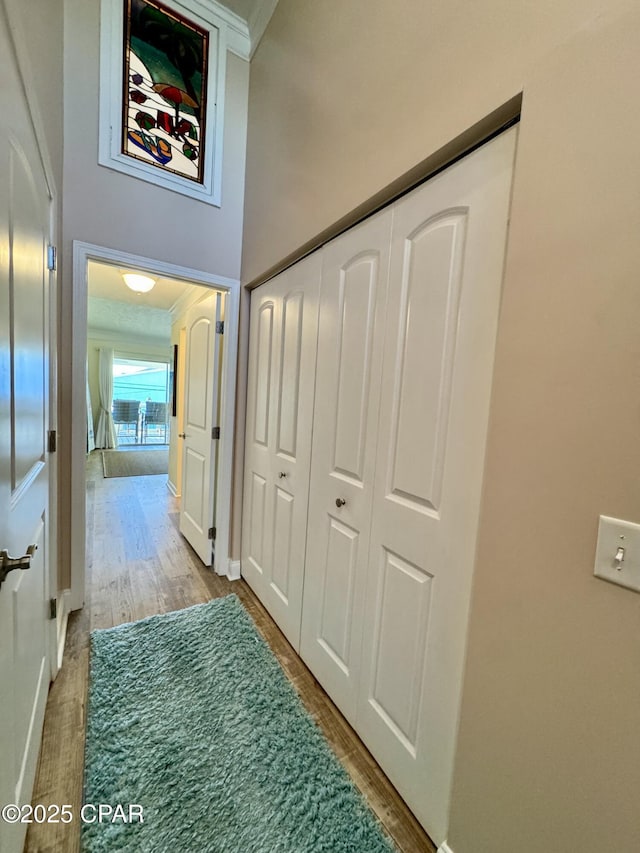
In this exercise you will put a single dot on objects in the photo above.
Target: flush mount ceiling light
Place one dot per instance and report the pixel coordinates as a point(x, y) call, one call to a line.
point(137, 282)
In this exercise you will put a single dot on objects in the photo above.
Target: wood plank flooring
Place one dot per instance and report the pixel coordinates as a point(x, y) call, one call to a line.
point(139, 565)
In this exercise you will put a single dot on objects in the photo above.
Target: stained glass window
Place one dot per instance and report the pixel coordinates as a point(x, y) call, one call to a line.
point(164, 88)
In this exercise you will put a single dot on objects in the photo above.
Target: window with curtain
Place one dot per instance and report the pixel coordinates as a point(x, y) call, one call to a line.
point(140, 400)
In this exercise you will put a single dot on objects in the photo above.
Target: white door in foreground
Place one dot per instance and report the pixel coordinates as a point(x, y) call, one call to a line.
point(25, 204)
point(447, 254)
point(199, 439)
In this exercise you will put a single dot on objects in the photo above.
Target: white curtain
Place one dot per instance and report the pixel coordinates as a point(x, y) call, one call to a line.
point(91, 439)
point(106, 431)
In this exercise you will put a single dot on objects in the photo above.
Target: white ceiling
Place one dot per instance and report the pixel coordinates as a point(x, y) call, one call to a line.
point(106, 282)
point(115, 310)
point(119, 321)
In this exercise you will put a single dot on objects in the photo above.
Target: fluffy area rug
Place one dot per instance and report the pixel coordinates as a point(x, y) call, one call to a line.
point(191, 717)
point(134, 463)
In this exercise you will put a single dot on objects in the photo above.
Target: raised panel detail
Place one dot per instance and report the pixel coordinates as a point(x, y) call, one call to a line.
point(194, 496)
point(400, 646)
point(282, 532)
point(198, 373)
point(356, 308)
point(430, 299)
point(27, 323)
point(337, 597)
point(263, 373)
point(256, 525)
point(291, 345)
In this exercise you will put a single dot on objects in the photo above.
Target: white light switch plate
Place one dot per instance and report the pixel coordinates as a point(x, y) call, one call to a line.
point(613, 533)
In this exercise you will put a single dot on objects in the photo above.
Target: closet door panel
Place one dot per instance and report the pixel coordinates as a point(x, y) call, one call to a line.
point(446, 272)
point(339, 581)
point(290, 363)
point(283, 541)
point(256, 522)
point(282, 353)
point(423, 357)
point(353, 334)
point(257, 512)
point(352, 304)
point(263, 351)
point(396, 690)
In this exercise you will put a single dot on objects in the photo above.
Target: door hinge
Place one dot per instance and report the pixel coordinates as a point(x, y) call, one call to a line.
point(53, 608)
point(219, 327)
point(52, 441)
point(215, 432)
point(52, 258)
point(212, 533)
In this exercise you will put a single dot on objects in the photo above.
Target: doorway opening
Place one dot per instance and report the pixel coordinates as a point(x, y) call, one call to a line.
point(135, 385)
point(153, 370)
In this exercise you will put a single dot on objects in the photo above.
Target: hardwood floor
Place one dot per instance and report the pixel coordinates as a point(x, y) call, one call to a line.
point(139, 565)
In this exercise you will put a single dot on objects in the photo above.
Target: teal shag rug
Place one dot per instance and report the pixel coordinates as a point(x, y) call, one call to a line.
point(191, 717)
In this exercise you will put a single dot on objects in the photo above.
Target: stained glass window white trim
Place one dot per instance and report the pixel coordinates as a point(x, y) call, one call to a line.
point(226, 32)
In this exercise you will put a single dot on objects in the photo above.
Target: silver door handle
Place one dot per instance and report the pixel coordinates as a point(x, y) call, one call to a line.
point(340, 502)
point(8, 564)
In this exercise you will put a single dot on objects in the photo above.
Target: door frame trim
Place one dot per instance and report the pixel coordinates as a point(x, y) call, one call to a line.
point(82, 254)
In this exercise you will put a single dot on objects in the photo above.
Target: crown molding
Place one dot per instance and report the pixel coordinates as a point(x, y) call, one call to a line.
point(100, 335)
point(182, 304)
point(237, 30)
point(242, 37)
point(258, 22)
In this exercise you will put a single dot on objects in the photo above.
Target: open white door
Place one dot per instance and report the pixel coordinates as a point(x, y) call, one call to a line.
point(25, 204)
point(201, 427)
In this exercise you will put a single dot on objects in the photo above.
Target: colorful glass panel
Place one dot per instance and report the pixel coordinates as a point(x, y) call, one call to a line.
point(165, 68)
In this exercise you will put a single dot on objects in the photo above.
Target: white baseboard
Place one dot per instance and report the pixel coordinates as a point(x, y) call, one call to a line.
point(173, 489)
point(62, 618)
point(444, 848)
point(233, 572)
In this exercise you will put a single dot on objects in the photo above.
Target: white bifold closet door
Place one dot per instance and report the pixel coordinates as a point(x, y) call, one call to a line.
point(353, 299)
point(388, 573)
point(282, 362)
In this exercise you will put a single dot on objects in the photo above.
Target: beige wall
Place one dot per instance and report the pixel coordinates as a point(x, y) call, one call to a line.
point(345, 98)
point(110, 209)
point(549, 754)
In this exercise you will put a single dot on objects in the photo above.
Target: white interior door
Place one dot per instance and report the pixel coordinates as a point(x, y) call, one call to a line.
point(282, 359)
point(350, 342)
point(445, 281)
point(201, 410)
point(24, 468)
